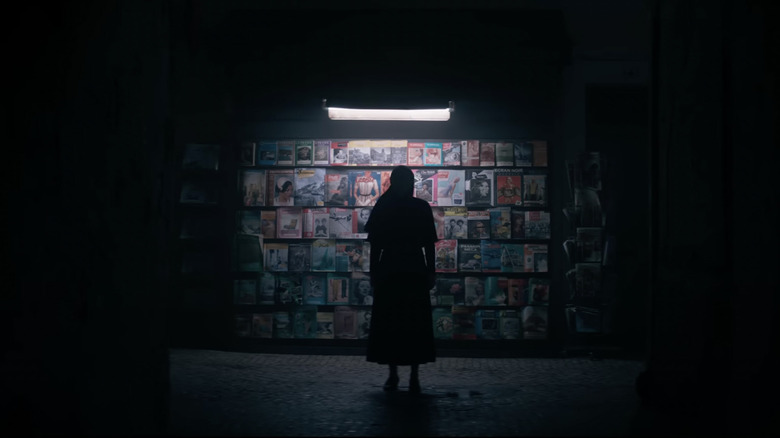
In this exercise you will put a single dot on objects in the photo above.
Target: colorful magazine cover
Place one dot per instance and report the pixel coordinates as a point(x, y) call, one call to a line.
point(452, 151)
point(471, 156)
point(491, 255)
point(535, 188)
point(415, 152)
point(450, 291)
point(266, 153)
point(539, 291)
point(289, 289)
point(268, 223)
point(285, 152)
point(246, 153)
point(251, 183)
point(500, 223)
point(455, 223)
point(535, 257)
point(469, 257)
point(432, 154)
point(338, 288)
point(425, 185)
point(451, 187)
point(359, 152)
point(361, 292)
point(478, 224)
point(304, 152)
point(438, 221)
point(463, 323)
point(446, 256)
point(512, 257)
point(363, 323)
point(359, 219)
point(384, 180)
point(509, 186)
point(487, 154)
point(337, 187)
point(496, 291)
point(338, 153)
point(518, 224)
point(364, 187)
point(509, 324)
point(281, 187)
point(289, 223)
point(309, 186)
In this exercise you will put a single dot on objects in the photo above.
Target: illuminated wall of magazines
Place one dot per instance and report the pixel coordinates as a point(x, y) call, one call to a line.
point(301, 262)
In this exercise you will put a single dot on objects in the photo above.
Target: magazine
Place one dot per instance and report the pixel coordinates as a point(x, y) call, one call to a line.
point(344, 322)
point(442, 322)
point(451, 187)
point(323, 255)
point(487, 154)
point(512, 257)
point(201, 156)
point(249, 222)
point(305, 322)
point(452, 152)
point(478, 224)
point(425, 185)
point(282, 325)
point(589, 244)
point(289, 223)
point(540, 153)
point(363, 323)
point(266, 153)
point(268, 223)
point(337, 187)
point(267, 288)
point(285, 152)
point(338, 288)
point(535, 257)
point(359, 152)
point(248, 253)
point(380, 153)
point(490, 251)
point(324, 325)
point(340, 223)
point(505, 154)
point(537, 224)
point(535, 188)
point(469, 257)
point(246, 153)
point(518, 224)
point(438, 221)
point(471, 156)
point(487, 324)
point(509, 320)
point(450, 291)
point(432, 155)
point(289, 289)
point(314, 288)
point(398, 152)
point(262, 325)
point(276, 256)
point(455, 223)
point(496, 291)
point(364, 187)
point(299, 257)
point(479, 187)
point(415, 152)
point(500, 222)
point(361, 292)
point(384, 180)
point(309, 186)
point(539, 291)
point(321, 152)
point(281, 187)
point(474, 291)
point(524, 154)
point(304, 152)
point(588, 281)
point(534, 321)
point(359, 219)
point(447, 255)
point(251, 184)
point(509, 186)
point(463, 323)
point(338, 153)
point(517, 291)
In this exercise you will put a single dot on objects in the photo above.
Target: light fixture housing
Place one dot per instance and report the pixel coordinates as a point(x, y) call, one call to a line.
point(415, 115)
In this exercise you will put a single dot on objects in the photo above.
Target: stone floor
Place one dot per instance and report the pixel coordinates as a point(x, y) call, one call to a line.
point(232, 394)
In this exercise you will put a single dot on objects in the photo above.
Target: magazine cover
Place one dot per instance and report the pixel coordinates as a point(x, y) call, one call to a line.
point(524, 154)
point(432, 154)
point(534, 320)
point(478, 224)
point(321, 152)
point(285, 152)
point(338, 288)
point(323, 255)
point(338, 153)
point(198, 192)
point(380, 153)
point(359, 152)
point(340, 223)
point(344, 322)
point(517, 292)
point(442, 322)
point(246, 153)
point(398, 152)
point(518, 224)
point(320, 221)
point(447, 256)
point(452, 152)
point(455, 223)
point(535, 188)
point(201, 156)
point(268, 223)
point(337, 187)
point(537, 224)
point(248, 253)
point(251, 183)
point(244, 291)
point(535, 257)
point(364, 187)
point(539, 291)
point(539, 153)
point(438, 221)
point(359, 219)
point(267, 288)
point(450, 291)
point(500, 223)
point(509, 324)
point(588, 281)
point(496, 291)
point(289, 223)
point(304, 152)
point(475, 291)
point(384, 180)
point(415, 153)
point(324, 325)
point(512, 257)
point(463, 323)
point(281, 187)
point(289, 289)
point(587, 171)
point(490, 251)
point(305, 322)
point(587, 207)
point(343, 250)
point(249, 222)
point(425, 185)
point(276, 256)
point(471, 156)
point(509, 186)
point(589, 248)
point(243, 326)
point(479, 187)
point(487, 154)
point(361, 292)
point(363, 323)
point(282, 325)
point(263, 325)
point(469, 257)
point(266, 153)
point(487, 324)
point(505, 154)
point(309, 186)
point(299, 257)
point(314, 288)
point(451, 187)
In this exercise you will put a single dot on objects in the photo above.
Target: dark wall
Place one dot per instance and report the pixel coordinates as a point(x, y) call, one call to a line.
point(87, 204)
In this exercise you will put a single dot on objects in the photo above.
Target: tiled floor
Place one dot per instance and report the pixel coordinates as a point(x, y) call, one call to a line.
point(228, 393)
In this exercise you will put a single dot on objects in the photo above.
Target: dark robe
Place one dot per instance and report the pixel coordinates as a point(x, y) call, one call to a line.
point(401, 330)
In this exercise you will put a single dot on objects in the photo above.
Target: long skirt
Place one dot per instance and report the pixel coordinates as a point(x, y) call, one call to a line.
point(401, 331)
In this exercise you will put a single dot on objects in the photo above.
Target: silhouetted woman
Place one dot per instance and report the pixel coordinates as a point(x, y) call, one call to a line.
point(402, 235)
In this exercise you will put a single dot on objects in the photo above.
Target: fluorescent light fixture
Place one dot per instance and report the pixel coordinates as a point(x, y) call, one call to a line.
point(420, 115)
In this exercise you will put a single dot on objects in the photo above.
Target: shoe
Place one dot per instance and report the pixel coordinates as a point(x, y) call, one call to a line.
point(391, 384)
point(414, 386)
